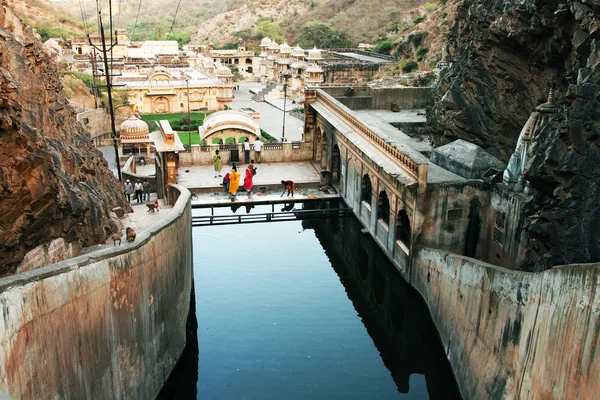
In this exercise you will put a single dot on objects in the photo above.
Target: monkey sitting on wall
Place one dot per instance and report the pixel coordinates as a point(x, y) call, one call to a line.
point(130, 234)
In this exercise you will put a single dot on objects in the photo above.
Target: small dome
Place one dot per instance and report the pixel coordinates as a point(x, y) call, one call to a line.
point(285, 49)
point(273, 45)
point(133, 126)
point(314, 55)
point(265, 42)
point(224, 71)
point(298, 52)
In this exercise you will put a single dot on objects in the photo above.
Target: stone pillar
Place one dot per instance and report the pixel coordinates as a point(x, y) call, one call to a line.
point(171, 169)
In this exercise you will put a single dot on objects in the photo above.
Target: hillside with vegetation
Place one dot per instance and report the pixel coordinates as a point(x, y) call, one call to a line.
point(152, 20)
point(48, 20)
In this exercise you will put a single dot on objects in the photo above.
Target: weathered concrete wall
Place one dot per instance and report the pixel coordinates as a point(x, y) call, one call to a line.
point(451, 216)
point(511, 334)
point(108, 325)
point(364, 97)
point(403, 97)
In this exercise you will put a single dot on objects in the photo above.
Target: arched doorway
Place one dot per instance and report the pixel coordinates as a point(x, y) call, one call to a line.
point(335, 163)
point(161, 105)
point(366, 189)
point(383, 207)
point(403, 228)
point(230, 140)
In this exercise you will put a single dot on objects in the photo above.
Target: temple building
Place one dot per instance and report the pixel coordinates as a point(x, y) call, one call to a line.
point(135, 136)
point(229, 127)
point(170, 90)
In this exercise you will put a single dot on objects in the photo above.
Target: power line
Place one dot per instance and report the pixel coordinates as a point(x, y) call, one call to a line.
point(83, 16)
point(174, 19)
point(136, 19)
point(171, 28)
point(119, 15)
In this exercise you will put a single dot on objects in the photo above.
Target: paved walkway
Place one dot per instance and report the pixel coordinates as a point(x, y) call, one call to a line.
point(271, 118)
point(201, 178)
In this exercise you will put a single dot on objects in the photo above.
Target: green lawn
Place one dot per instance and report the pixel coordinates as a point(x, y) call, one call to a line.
point(176, 120)
point(184, 137)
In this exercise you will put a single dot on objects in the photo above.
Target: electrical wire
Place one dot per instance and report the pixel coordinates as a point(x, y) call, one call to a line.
point(83, 17)
point(136, 19)
point(170, 29)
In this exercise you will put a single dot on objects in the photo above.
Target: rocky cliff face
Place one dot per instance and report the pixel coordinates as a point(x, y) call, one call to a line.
point(506, 56)
point(53, 183)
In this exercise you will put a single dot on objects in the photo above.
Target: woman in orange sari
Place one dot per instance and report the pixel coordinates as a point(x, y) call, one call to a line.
point(234, 181)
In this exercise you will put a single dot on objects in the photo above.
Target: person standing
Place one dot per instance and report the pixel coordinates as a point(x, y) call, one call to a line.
point(217, 163)
point(247, 151)
point(128, 190)
point(234, 181)
point(248, 178)
point(139, 191)
point(289, 186)
point(146, 186)
point(257, 149)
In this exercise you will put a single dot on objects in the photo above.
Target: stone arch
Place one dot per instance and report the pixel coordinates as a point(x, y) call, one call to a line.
point(230, 140)
point(217, 141)
point(403, 228)
point(383, 207)
point(162, 105)
point(366, 189)
point(242, 139)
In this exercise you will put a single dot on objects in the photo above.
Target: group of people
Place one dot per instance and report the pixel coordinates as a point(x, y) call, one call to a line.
point(141, 190)
point(231, 181)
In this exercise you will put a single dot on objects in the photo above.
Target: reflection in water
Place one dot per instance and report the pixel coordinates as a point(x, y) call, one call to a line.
point(182, 381)
point(393, 312)
point(275, 323)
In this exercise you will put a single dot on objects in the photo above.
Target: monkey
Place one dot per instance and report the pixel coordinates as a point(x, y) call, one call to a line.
point(117, 237)
point(130, 234)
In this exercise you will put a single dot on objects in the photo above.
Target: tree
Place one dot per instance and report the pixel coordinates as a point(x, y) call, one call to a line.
point(268, 29)
point(323, 35)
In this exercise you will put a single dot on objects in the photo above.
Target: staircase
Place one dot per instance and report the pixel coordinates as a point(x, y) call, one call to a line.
point(260, 96)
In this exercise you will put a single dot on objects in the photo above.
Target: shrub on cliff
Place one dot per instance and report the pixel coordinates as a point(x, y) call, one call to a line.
point(410, 66)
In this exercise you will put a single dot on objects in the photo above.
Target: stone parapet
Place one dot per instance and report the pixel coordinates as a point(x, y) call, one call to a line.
point(522, 335)
point(108, 324)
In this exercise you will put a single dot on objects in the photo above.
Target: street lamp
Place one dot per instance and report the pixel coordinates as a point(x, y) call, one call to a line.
point(115, 138)
point(285, 75)
point(187, 84)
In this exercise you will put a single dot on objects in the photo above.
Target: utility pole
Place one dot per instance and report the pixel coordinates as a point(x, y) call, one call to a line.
point(108, 76)
point(187, 84)
point(286, 75)
point(94, 88)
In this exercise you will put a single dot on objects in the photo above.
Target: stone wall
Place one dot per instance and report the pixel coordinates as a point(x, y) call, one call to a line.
point(367, 98)
point(511, 334)
point(106, 325)
point(271, 152)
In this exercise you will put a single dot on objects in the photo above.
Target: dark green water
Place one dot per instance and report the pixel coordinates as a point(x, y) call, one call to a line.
point(304, 310)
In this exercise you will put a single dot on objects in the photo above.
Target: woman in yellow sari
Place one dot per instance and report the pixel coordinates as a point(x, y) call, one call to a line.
point(234, 181)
